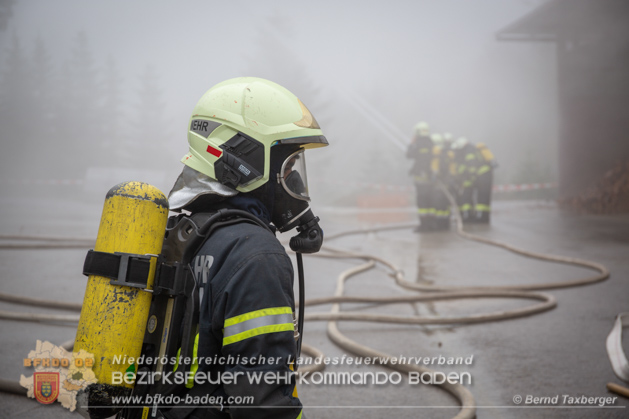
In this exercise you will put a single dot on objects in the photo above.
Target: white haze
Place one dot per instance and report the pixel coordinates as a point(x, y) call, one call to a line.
point(432, 60)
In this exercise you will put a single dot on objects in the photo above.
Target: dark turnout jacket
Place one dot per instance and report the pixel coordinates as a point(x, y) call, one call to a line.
point(246, 320)
point(420, 151)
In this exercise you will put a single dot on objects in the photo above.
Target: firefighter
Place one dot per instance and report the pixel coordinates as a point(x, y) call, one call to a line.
point(247, 138)
point(420, 151)
point(483, 183)
point(447, 140)
point(441, 163)
point(466, 162)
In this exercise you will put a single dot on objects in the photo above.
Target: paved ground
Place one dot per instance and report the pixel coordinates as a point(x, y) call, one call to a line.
point(557, 353)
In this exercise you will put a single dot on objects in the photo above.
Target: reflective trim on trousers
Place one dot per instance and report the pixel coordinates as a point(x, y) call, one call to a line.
point(482, 208)
point(465, 207)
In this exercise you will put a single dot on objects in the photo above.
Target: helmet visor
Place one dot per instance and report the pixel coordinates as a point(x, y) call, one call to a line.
point(293, 177)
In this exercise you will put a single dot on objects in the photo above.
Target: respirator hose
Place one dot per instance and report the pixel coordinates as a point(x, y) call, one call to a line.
point(302, 306)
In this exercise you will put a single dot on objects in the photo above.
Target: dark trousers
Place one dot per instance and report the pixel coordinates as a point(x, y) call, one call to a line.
point(442, 209)
point(465, 202)
point(483, 186)
point(425, 206)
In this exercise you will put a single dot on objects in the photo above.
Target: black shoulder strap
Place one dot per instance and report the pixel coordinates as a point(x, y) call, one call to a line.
point(186, 234)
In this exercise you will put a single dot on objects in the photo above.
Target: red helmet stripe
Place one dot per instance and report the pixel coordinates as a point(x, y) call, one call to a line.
point(213, 151)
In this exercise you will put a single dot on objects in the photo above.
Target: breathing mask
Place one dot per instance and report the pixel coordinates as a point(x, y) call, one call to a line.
point(291, 200)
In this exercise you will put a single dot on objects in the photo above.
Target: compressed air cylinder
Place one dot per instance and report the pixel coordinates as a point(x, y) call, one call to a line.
point(113, 318)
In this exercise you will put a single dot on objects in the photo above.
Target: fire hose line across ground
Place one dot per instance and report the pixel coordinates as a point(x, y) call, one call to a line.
point(429, 294)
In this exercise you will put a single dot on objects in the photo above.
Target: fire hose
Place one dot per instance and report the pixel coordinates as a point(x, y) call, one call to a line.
point(429, 293)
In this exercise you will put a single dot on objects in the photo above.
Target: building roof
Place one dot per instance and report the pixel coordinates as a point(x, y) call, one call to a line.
point(566, 18)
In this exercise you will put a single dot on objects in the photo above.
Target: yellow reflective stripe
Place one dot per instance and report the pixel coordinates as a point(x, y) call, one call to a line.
point(299, 417)
point(470, 156)
point(483, 169)
point(255, 323)
point(295, 394)
point(467, 183)
point(195, 365)
point(258, 313)
point(284, 327)
point(424, 211)
point(177, 360)
point(482, 207)
point(465, 207)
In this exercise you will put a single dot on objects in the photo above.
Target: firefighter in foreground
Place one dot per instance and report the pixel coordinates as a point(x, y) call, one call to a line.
point(247, 138)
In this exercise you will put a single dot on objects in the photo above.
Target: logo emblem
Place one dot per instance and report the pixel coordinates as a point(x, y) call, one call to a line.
point(46, 386)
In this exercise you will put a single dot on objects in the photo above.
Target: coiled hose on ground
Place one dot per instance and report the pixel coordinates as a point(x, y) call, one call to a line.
point(428, 293)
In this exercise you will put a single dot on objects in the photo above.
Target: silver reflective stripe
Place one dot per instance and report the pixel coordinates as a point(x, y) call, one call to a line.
point(257, 322)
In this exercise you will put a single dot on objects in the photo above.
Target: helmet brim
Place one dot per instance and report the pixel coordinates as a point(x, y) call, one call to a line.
point(308, 142)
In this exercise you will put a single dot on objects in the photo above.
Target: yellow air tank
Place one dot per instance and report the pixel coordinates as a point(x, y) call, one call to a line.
point(113, 318)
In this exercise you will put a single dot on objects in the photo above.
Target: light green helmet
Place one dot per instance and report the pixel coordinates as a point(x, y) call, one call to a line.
point(422, 129)
point(235, 124)
point(437, 139)
point(459, 143)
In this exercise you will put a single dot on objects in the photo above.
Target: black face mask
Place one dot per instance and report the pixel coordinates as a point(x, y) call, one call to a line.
point(288, 211)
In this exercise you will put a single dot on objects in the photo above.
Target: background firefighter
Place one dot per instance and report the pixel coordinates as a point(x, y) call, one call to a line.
point(420, 151)
point(483, 183)
point(441, 163)
point(466, 165)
